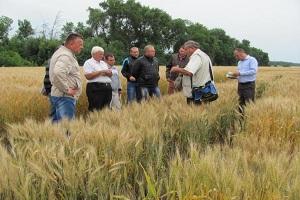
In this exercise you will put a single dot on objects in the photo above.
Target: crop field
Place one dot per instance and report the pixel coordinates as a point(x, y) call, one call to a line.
point(160, 149)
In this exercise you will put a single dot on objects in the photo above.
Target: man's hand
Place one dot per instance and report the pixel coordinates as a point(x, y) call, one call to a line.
point(72, 91)
point(175, 69)
point(236, 74)
point(108, 73)
point(131, 78)
point(170, 81)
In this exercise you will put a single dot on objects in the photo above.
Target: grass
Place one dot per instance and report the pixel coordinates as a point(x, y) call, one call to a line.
point(156, 150)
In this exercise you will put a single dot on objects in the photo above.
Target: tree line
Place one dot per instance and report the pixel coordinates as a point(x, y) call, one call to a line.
point(117, 25)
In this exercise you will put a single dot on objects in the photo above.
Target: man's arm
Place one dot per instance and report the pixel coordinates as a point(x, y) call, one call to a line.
point(252, 69)
point(92, 75)
point(125, 69)
point(136, 69)
point(120, 86)
point(192, 67)
point(60, 73)
point(179, 70)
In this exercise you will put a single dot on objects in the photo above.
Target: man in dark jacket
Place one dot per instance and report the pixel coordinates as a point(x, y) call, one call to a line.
point(179, 59)
point(146, 73)
point(127, 73)
point(46, 90)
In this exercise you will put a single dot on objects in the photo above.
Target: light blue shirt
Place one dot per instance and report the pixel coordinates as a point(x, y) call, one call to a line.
point(115, 80)
point(248, 69)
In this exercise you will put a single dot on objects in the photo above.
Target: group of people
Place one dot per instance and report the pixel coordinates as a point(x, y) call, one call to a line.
point(188, 68)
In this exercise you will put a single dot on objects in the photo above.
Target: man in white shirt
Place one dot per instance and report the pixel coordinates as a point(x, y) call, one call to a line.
point(196, 73)
point(98, 90)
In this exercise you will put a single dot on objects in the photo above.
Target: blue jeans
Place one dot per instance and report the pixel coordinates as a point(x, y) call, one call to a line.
point(147, 92)
point(52, 109)
point(63, 108)
point(131, 91)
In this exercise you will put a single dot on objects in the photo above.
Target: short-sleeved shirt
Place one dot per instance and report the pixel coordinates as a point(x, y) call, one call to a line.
point(91, 65)
point(199, 67)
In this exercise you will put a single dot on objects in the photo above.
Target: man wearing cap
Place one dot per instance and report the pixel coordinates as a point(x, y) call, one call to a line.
point(196, 73)
point(97, 73)
point(246, 74)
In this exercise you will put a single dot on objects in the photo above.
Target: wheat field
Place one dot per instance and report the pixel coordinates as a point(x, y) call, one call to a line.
point(160, 149)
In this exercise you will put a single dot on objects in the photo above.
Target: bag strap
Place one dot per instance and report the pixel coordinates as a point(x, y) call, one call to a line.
point(210, 73)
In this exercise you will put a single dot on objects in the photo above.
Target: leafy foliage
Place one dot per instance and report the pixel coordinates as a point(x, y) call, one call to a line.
point(118, 25)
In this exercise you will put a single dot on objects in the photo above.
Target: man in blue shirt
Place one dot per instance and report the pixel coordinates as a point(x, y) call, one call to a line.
point(246, 75)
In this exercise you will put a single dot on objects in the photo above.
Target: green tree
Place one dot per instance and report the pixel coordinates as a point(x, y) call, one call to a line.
point(5, 27)
point(84, 30)
point(25, 29)
point(12, 58)
point(67, 29)
point(98, 22)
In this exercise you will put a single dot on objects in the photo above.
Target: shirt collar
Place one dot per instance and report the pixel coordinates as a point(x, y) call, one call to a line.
point(198, 51)
point(109, 66)
point(67, 49)
point(148, 58)
point(247, 57)
point(95, 60)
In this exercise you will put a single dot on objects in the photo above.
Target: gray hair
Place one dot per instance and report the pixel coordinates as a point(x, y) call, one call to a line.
point(191, 44)
point(148, 47)
point(97, 49)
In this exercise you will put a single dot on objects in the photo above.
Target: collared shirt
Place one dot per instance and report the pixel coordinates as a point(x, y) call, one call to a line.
point(115, 80)
point(199, 67)
point(91, 65)
point(64, 73)
point(176, 59)
point(248, 69)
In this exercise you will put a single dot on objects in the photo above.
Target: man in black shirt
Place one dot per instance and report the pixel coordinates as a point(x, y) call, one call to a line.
point(146, 72)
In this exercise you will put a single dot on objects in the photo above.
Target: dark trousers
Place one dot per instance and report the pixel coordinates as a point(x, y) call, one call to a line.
point(246, 93)
point(99, 95)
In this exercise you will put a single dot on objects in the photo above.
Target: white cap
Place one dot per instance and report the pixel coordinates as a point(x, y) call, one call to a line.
point(97, 49)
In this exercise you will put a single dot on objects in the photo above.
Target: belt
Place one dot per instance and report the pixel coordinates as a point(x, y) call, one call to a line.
point(247, 83)
point(98, 83)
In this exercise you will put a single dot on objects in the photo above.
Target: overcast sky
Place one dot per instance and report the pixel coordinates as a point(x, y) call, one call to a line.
point(271, 25)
